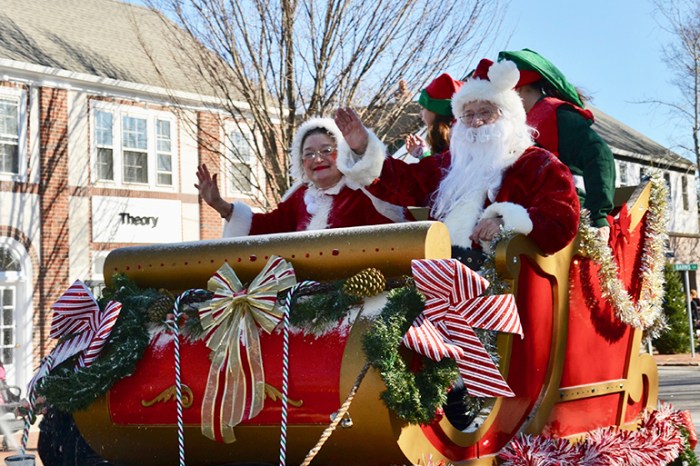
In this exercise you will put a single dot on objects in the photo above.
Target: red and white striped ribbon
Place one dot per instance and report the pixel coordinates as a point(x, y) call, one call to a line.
point(77, 315)
point(453, 309)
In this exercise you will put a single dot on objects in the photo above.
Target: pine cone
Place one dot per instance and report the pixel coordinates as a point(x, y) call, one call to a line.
point(367, 283)
point(161, 307)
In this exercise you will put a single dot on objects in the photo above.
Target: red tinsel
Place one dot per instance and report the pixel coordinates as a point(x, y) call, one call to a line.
point(657, 441)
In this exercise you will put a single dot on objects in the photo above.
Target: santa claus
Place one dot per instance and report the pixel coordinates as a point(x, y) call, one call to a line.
point(492, 178)
point(322, 196)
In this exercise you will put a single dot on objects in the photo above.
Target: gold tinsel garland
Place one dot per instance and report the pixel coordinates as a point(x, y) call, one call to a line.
point(646, 313)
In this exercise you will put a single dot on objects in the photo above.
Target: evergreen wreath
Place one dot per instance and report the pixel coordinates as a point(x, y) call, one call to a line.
point(414, 397)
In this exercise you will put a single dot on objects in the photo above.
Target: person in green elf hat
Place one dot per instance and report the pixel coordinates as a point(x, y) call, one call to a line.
point(556, 110)
point(436, 113)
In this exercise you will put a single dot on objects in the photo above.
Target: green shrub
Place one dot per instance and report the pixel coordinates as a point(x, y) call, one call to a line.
point(675, 339)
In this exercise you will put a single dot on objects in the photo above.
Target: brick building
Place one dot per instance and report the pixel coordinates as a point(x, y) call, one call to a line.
point(94, 154)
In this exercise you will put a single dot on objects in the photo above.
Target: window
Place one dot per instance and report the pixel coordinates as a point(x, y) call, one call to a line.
point(684, 192)
point(623, 174)
point(13, 117)
point(9, 136)
point(9, 267)
point(132, 146)
point(667, 178)
point(135, 145)
point(8, 262)
point(7, 326)
point(241, 163)
point(164, 166)
point(104, 164)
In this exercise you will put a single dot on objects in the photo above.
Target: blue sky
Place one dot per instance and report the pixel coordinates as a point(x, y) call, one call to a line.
point(611, 49)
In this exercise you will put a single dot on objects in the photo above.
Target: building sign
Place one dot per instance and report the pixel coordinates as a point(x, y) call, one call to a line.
point(684, 267)
point(136, 220)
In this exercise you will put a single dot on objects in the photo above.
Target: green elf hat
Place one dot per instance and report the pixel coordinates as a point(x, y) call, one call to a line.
point(534, 67)
point(438, 95)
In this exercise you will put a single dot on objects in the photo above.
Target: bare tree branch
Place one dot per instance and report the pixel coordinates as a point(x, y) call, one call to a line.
point(681, 18)
point(275, 63)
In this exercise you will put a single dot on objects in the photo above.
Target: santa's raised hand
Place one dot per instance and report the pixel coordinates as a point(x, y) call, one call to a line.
point(353, 130)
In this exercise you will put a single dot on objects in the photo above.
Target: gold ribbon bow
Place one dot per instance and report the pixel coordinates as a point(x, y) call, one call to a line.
point(233, 318)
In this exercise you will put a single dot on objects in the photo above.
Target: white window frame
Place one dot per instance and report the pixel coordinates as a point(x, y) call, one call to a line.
point(119, 112)
point(258, 183)
point(20, 96)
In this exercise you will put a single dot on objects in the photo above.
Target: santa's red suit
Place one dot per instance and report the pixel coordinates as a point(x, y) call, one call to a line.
point(536, 197)
point(305, 207)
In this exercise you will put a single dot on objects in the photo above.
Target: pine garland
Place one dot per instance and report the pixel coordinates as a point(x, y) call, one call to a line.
point(320, 307)
point(414, 398)
point(646, 313)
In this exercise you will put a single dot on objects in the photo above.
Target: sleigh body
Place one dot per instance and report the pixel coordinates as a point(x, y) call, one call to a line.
point(577, 367)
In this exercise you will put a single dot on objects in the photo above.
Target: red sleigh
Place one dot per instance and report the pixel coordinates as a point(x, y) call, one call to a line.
point(576, 369)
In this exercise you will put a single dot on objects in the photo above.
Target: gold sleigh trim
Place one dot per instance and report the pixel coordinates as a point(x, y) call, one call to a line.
point(187, 397)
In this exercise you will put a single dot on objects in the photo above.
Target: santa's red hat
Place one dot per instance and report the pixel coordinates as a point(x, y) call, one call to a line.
point(492, 82)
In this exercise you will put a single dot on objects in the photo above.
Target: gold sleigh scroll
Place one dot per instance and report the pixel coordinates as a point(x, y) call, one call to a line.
point(187, 396)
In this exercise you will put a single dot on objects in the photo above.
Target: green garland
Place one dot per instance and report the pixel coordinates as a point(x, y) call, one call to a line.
point(415, 398)
point(69, 390)
point(325, 307)
point(687, 456)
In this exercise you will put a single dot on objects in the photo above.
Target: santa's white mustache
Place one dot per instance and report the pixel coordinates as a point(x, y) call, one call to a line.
point(483, 134)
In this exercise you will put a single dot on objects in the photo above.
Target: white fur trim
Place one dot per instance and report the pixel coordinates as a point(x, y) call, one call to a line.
point(318, 204)
point(363, 169)
point(498, 89)
point(461, 220)
point(296, 162)
point(240, 222)
point(515, 216)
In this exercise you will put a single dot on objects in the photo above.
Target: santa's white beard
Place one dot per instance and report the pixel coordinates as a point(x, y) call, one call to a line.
point(479, 158)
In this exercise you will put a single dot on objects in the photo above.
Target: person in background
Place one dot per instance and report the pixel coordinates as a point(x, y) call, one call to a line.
point(695, 309)
point(492, 178)
point(556, 110)
point(436, 113)
point(322, 196)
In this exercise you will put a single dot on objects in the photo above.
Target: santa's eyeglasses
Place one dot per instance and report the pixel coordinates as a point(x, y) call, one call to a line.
point(324, 153)
point(486, 115)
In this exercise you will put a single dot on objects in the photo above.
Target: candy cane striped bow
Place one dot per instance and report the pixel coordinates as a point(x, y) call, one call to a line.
point(78, 319)
point(233, 317)
point(453, 306)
